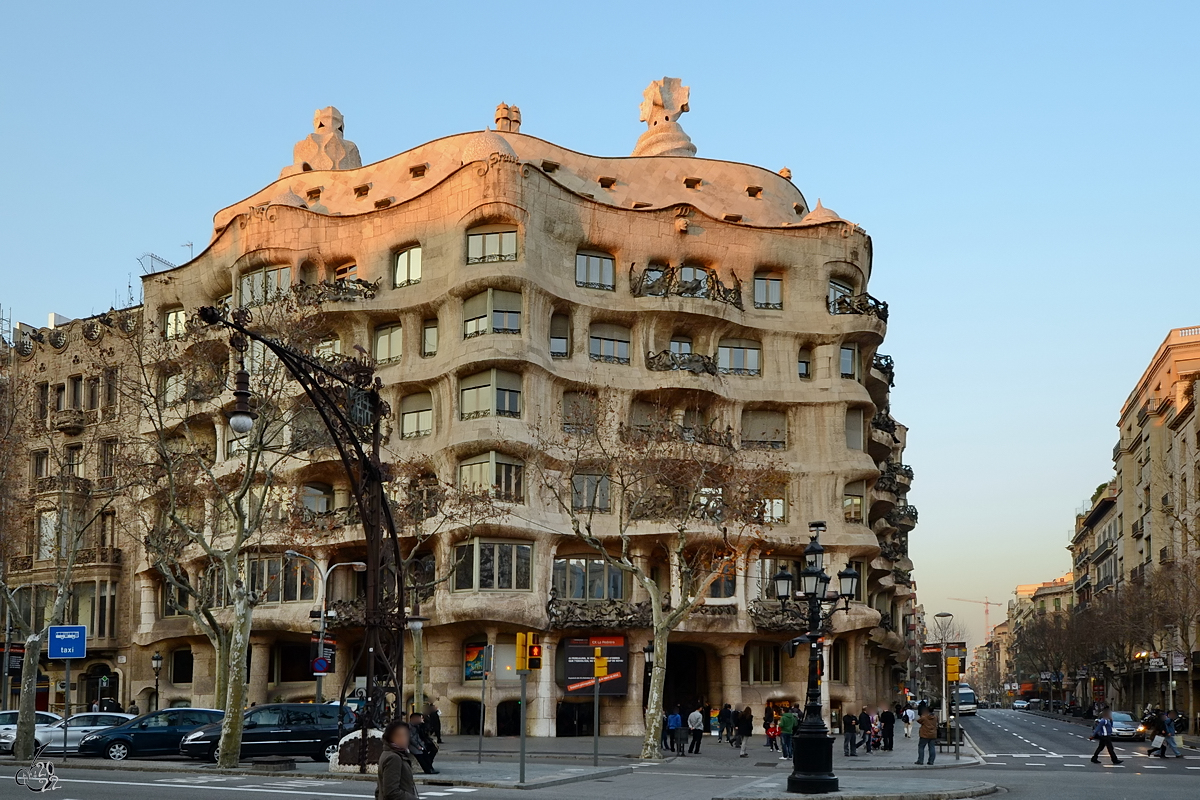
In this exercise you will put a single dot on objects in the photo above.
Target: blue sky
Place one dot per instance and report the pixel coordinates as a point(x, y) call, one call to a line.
point(1027, 170)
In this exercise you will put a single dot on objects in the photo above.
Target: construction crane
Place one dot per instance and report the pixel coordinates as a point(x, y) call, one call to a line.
point(986, 603)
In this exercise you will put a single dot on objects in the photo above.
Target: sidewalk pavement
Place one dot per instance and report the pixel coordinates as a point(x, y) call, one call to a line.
point(858, 787)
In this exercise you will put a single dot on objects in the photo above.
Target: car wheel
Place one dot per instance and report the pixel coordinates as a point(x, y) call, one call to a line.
point(329, 751)
point(214, 752)
point(117, 751)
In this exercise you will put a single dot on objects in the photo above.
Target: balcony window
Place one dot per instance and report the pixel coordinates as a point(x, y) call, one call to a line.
point(501, 308)
point(317, 497)
point(277, 579)
point(429, 338)
point(174, 601)
point(39, 464)
point(768, 291)
point(75, 386)
point(42, 401)
point(110, 387)
point(595, 271)
point(739, 357)
point(579, 412)
point(693, 282)
point(560, 336)
point(681, 346)
point(73, 464)
point(174, 386)
point(849, 361)
point(839, 670)
point(855, 431)
point(389, 343)
point(328, 348)
point(416, 415)
point(108, 458)
point(408, 268)
point(804, 364)
point(764, 577)
point(174, 323)
point(588, 578)
point(493, 566)
point(724, 585)
point(609, 343)
point(653, 284)
point(60, 397)
point(493, 391)
point(492, 245)
point(91, 394)
point(346, 272)
point(762, 664)
point(772, 510)
point(499, 475)
point(764, 430)
point(838, 291)
point(263, 285)
point(590, 492)
point(852, 502)
point(48, 534)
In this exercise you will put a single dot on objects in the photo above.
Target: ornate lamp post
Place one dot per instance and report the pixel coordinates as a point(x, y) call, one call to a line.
point(346, 397)
point(812, 746)
point(156, 664)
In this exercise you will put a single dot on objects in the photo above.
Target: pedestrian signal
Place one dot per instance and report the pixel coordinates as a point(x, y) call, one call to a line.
point(533, 650)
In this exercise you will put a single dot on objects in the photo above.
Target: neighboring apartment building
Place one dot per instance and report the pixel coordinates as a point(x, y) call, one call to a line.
point(1096, 546)
point(498, 279)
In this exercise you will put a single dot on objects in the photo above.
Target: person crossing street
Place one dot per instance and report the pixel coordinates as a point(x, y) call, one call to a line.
point(1102, 732)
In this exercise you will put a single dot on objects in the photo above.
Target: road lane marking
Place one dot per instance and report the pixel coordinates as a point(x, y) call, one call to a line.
point(211, 788)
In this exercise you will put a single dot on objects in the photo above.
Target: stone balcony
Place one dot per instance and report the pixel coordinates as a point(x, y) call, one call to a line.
point(62, 484)
point(70, 421)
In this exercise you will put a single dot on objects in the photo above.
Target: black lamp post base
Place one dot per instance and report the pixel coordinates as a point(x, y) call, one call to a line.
point(812, 764)
point(812, 784)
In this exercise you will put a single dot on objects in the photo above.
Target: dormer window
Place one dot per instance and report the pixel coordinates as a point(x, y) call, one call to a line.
point(408, 268)
point(492, 243)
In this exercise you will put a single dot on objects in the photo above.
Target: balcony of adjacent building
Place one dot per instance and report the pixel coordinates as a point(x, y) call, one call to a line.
point(70, 421)
point(65, 484)
point(881, 377)
point(883, 436)
point(1082, 582)
point(903, 517)
point(1104, 584)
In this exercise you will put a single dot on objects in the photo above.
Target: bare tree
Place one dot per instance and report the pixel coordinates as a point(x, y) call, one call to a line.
point(666, 488)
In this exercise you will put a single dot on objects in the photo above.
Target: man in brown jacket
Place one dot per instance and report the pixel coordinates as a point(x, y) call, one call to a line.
point(927, 734)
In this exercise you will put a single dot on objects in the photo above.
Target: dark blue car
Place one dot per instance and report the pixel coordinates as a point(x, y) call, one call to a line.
point(156, 733)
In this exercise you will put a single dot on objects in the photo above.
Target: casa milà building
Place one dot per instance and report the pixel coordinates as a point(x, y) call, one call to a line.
point(493, 276)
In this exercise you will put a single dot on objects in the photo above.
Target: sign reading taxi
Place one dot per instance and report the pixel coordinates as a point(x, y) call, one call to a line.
point(67, 641)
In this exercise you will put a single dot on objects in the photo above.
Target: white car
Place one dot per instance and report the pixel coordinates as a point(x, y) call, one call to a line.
point(1020, 705)
point(50, 738)
point(8, 726)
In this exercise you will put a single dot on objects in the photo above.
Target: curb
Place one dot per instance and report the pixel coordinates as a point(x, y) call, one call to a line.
point(976, 790)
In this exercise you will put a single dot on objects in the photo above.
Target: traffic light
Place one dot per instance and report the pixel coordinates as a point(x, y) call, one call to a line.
point(533, 655)
point(522, 654)
point(952, 667)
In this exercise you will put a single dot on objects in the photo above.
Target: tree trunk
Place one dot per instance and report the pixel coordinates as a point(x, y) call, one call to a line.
point(654, 700)
point(235, 696)
point(23, 745)
point(221, 657)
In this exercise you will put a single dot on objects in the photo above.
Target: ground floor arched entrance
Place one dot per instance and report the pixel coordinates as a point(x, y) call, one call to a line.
point(468, 717)
point(687, 677)
point(574, 718)
point(508, 718)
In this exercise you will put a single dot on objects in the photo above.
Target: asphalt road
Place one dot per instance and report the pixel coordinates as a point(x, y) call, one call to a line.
point(1019, 740)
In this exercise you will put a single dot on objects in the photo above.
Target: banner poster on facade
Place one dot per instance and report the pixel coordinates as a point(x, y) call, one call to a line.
point(473, 661)
point(581, 653)
point(16, 659)
point(1178, 662)
point(1157, 664)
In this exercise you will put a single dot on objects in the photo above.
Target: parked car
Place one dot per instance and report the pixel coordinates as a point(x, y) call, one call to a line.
point(1020, 705)
point(78, 726)
point(156, 733)
point(1126, 727)
point(8, 726)
point(279, 729)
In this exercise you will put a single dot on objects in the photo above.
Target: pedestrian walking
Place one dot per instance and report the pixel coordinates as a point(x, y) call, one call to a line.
point(725, 724)
point(864, 725)
point(696, 723)
point(887, 729)
point(1165, 730)
point(745, 728)
point(850, 735)
point(1102, 732)
point(909, 716)
point(787, 726)
point(395, 778)
point(927, 734)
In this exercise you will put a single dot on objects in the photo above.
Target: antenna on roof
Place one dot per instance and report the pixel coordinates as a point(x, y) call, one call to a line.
point(152, 263)
point(191, 250)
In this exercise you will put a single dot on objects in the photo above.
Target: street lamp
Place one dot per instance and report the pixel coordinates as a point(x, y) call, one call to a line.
point(416, 624)
point(156, 663)
point(943, 629)
point(812, 746)
point(242, 417)
point(359, 566)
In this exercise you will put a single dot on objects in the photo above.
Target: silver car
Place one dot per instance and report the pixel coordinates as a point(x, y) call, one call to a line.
point(80, 725)
point(8, 726)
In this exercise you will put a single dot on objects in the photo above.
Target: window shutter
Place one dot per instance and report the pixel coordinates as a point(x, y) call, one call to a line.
point(506, 301)
point(560, 326)
point(607, 330)
point(476, 306)
point(764, 426)
point(475, 381)
point(508, 380)
point(421, 401)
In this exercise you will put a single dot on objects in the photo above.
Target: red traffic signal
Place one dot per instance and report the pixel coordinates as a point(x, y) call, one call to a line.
point(533, 658)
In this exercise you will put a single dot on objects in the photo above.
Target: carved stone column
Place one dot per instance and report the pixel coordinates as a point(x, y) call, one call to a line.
point(731, 676)
point(260, 662)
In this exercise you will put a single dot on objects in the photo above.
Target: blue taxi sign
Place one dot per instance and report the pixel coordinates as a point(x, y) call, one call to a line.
point(67, 641)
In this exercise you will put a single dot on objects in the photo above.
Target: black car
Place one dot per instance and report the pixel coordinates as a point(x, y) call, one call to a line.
point(156, 733)
point(279, 729)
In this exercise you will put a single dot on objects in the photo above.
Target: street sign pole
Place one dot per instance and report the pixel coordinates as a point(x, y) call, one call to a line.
point(66, 708)
point(487, 667)
point(599, 670)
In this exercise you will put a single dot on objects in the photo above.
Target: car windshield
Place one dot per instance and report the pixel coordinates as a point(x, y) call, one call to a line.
point(966, 698)
point(1120, 716)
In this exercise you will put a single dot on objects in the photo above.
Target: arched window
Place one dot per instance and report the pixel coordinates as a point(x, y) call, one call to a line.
point(595, 270)
point(579, 412)
point(804, 363)
point(416, 415)
point(768, 290)
point(764, 430)
point(855, 429)
point(609, 343)
point(407, 268)
point(489, 243)
point(560, 336)
point(681, 345)
point(263, 285)
point(839, 290)
point(499, 475)
point(493, 391)
point(693, 281)
point(492, 311)
point(389, 343)
point(317, 497)
point(739, 357)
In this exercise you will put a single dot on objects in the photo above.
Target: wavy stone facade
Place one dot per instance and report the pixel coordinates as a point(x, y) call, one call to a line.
point(707, 280)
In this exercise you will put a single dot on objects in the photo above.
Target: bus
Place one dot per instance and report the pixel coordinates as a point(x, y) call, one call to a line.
point(967, 703)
